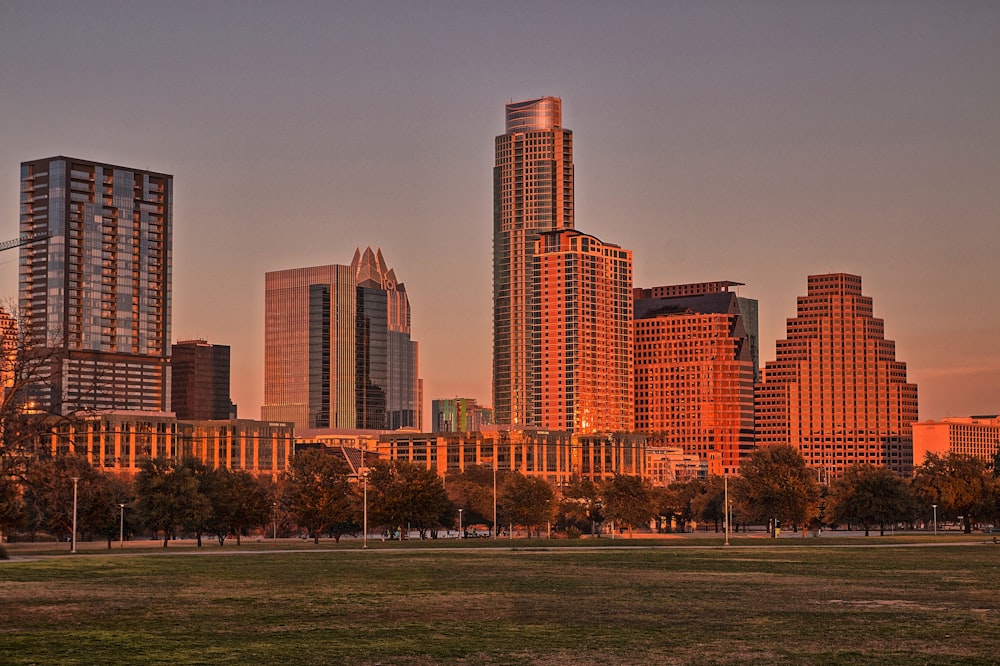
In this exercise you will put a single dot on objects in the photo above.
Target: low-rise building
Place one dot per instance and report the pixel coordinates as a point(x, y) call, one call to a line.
point(977, 436)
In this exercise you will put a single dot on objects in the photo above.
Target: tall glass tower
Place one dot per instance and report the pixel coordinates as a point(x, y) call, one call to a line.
point(337, 348)
point(532, 193)
point(94, 289)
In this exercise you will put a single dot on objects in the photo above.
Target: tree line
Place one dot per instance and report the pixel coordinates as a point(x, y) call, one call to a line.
point(320, 496)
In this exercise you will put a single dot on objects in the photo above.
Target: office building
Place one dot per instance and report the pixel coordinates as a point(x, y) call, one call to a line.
point(200, 382)
point(94, 288)
point(554, 456)
point(836, 391)
point(977, 436)
point(582, 337)
point(695, 365)
point(119, 442)
point(337, 348)
point(532, 193)
point(459, 415)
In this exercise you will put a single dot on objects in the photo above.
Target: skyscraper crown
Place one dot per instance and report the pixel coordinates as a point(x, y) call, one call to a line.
point(534, 115)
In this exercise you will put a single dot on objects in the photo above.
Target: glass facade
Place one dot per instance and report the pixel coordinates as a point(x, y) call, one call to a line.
point(97, 288)
point(532, 193)
point(337, 348)
point(200, 380)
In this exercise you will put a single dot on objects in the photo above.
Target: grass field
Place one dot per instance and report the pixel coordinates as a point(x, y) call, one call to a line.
point(765, 602)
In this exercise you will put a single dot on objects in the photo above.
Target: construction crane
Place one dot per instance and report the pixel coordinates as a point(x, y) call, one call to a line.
point(23, 240)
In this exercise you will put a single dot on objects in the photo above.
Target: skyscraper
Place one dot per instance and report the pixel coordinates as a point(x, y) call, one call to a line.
point(200, 382)
point(695, 365)
point(532, 193)
point(582, 334)
point(96, 289)
point(337, 348)
point(836, 391)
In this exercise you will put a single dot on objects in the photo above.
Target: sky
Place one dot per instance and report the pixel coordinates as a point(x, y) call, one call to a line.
point(756, 141)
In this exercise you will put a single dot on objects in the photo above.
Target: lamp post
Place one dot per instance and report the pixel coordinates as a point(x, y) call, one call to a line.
point(121, 526)
point(364, 537)
point(460, 523)
point(274, 520)
point(935, 518)
point(76, 480)
point(725, 481)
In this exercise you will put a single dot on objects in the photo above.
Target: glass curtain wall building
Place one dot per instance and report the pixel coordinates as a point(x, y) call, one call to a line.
point(532, 193)
point(201, 381)
point(337, 348)
point(94, 288)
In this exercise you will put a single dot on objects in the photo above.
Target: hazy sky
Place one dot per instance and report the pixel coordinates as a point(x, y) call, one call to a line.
point(750, 141)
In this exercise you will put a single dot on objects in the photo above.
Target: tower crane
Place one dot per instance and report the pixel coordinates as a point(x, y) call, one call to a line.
point(23, 240)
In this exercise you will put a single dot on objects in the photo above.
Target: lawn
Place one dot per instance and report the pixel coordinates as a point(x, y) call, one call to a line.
point(763, 603)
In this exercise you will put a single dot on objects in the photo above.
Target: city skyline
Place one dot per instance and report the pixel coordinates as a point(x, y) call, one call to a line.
point(748, 143)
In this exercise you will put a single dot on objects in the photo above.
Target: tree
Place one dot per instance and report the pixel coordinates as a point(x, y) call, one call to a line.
point(958, 484)
point(103, 498)
point(406, 494)
point(580, 506)
point(238, 501)
point(11, 506)
point(627, 501)
point(317, 490)
point(169, 497)
point(775, 484)
point(29, 369)
point(526, 502)
point(867, 495)
point(472, 491)
point(710, 503)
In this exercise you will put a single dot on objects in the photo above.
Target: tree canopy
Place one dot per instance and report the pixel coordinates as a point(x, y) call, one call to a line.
point(867, 495)
point(776, 484)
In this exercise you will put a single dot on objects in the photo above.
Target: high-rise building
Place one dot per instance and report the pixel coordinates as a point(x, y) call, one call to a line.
point(532, 193)
point(200, 381)
point(581, 334)
point(836, 391)
point(337, 348)
point(95, 287)
point(387, 357)
point(695, 365)
point(459, 415)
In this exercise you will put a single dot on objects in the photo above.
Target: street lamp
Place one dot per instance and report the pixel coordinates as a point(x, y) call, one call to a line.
point(364, 539)
point(493, 466)
point(725, 481)
point(935, 518)
point(460, 523)
point(121, 526)
point(274, 519)
point(76, 480)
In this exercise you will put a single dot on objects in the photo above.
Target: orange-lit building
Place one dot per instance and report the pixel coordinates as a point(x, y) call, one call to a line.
point(695, 365)
point(977, 436)
point(8, 352)
point(555, 456)
point(532, 193)
point(836, 391)
point(670, 464)
point(119, 442)
point(583, 314)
